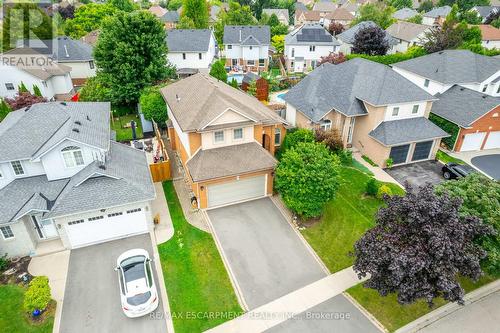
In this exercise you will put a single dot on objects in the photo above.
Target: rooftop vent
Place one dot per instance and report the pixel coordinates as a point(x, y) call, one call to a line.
point(102, 166)
point(88, 118)
point(78, 122)
point(76, 130)
point(177, 98)
point(66, 51)
point(63, 103)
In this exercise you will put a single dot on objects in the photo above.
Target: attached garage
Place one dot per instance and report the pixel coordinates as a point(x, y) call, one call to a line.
point(238, 190)
point(422, 150)
point(473, 141)
point(399, 154)
point(105, 227)
point(493, 140)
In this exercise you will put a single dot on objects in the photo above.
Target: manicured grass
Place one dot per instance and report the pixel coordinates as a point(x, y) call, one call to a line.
point(361, 167)
point(345, 219)
point(13, 319)
point(369, 161)
point(195, 277)
point(125, 134)
point(445, 158)
point(393, 315)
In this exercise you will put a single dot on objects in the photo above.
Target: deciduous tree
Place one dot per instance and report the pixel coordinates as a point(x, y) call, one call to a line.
point(236, 15)
point(370, 41)
point(95, 90)
point(333, 58)
point(24, 99)
point(378, 13)
point(419, 247)
point(335, 28)
point(278, 41)
point(153, 105)
point(88, 18)
point(218, 71)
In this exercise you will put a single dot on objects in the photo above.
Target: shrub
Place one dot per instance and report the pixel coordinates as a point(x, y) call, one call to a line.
point(153, 105)
point(218, 71)
point(383, 190)
point(369, 161)
point(4, 262)
point(294, 137)
point(38, 294)
point(372, 187)
point(389, 162)
point(345, 157)
point(330, 138)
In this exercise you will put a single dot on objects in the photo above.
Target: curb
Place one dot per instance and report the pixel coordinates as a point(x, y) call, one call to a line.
point(367, 314)
point(450, 308)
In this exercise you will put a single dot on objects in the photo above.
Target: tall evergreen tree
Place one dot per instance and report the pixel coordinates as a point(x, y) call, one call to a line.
point(197, 11)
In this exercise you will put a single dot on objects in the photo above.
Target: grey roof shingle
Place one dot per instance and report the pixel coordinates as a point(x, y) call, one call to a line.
point(438, 12)
point(404, 14)
point(452, 66)
point(310, 34)
point(229, 161)
point(39, 127)
point(260, 34)
point(395, 132)
point(325, 6)
point(170, 16)
point(349, 35)
point(463, 106)
point(484, 11)
point(406, 31)
point(343, 87)
point(65, 49)
point(188, 40)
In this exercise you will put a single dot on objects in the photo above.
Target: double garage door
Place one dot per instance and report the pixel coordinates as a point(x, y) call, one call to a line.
point(422, 151)
point(474, 141)
point(238, 190)
point(105, 227)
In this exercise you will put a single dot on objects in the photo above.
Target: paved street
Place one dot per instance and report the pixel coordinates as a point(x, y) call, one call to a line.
point(92, 299)
point(489, 164)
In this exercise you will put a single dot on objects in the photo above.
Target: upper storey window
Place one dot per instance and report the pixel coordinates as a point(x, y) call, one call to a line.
point(72, 156)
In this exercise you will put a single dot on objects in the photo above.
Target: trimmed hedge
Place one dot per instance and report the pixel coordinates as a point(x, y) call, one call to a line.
point(413, 52)
point(38, 294)
point(448, 127)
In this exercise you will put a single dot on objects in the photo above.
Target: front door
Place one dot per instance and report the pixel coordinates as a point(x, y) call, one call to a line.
point(352, 121)
point(44, 228)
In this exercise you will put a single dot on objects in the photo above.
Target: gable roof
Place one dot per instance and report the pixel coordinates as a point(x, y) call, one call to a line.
point(452, 66)
point(463, 106)
point(237, 34)
point(308, 34)
point(349, 35)
point(344, 88)
point(188, 40)
point(324, 6)
point(350, 6)
point(404, 13)
point(276, 11)
point(170, 16)
point(341, 14)
point(199, 99)
point(28, 60)
point(484, 11)
point(489, 32)
point(406, 31)
point(157, 11)
point(309, 15)
point(34, 130)
point(438, 12)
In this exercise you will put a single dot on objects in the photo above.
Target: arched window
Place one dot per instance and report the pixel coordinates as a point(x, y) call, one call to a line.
point(72, 156)
point(326, 124)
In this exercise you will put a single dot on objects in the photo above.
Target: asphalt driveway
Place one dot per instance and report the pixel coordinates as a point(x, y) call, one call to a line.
point(92, 299)
point(418, 174)
point(489, 164)
point(266, 256)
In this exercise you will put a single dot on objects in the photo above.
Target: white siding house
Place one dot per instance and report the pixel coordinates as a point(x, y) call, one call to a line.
point(246, 48)
point(191, 48)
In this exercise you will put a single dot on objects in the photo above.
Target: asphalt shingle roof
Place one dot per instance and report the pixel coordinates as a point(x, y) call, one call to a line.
point(452, 66)
point(229, 161)
point(484, 11)
point(188, 40)
point(404, 14)
point(349, 35)
point(65, 48)
point(463, 106)
point(38, 128)
point(261, 34)
point(438, 12)
point(395, 132)
point(406, 31)
point(170, 16)
point(343, 87)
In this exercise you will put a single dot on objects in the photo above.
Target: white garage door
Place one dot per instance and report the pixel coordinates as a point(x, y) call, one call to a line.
point(243, 189)
point(102, 228)
point(473, 141)
point(493, 140)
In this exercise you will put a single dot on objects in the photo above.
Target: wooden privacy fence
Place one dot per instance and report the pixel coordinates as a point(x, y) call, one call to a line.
point(160, 171)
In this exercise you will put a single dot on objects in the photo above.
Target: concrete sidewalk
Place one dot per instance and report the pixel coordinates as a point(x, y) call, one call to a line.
point(292, 304)
point(165, 229)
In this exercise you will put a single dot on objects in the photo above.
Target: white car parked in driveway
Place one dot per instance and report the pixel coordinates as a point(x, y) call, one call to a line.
point(137, 287)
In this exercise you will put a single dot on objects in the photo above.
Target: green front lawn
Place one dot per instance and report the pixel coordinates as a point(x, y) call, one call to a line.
point(345, 219)
point(13, 318)
point(393, 315)
point(196, 279)
point(445, 158)
point(125, 134)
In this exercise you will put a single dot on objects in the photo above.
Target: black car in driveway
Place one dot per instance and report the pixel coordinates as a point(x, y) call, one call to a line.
point(454, 170)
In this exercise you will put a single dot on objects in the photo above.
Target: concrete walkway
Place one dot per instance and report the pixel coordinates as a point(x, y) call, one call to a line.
point(165, 229)
point(55, 267)
point(292, 304)
point(378, 172)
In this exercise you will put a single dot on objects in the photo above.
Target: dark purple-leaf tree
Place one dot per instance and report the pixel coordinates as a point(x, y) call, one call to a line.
point(419, 247)
point(370, 41)
point(23, 100)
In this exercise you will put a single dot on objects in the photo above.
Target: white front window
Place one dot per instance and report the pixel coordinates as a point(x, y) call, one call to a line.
point(17, 167)
point(229, 47)
point(395, 111)
point(10, 86)
point(415, 109)
point(326, 124)
point(238, 133)
point(218, 136)
point(7, 232)
point(72, 157)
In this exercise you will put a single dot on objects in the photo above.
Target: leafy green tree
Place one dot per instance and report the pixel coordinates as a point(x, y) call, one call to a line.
point(470, 17)
point(252, 88)
point(174, 4)
point(197, 11)
point(279, 29)
point(233, 83)
point(426, 6)
point(36, 90)
point(258, 6)
point(88, 18)
point(416, 19)
point(481, 198)
point(278, 41)
point(399, 4)
point(4, 109)
point(95, 90)
point(153, 105)
point(294, 137)
point(125, 5)
point(378, 13)
point(236, 15)
point(131, 54)
point(464, 5)
point(307, 177)
point(273, 21)
point(186, 23)
point(218, 71)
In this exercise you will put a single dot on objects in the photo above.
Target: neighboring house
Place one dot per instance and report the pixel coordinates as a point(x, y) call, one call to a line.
point(347, 38)
point(91, 38)
point(63, 178)
point(306, 2)
point(339, 15)
point(307, 17)
point(246, 48)
point(484, 11)
point(157, 11)
point(408, 34)
point(282, 15)
point(299, 6)
point(436, 16)
point(375, 110)
point(214, 12)
point(225, 140)
point(34, 69)
point(404, 14)
point(351, 7)
point(191, 48)
point(490, 36)
point(476, 115)
point(324, 7)
point(305, 46)
point(170, 19)
point(439, 71)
